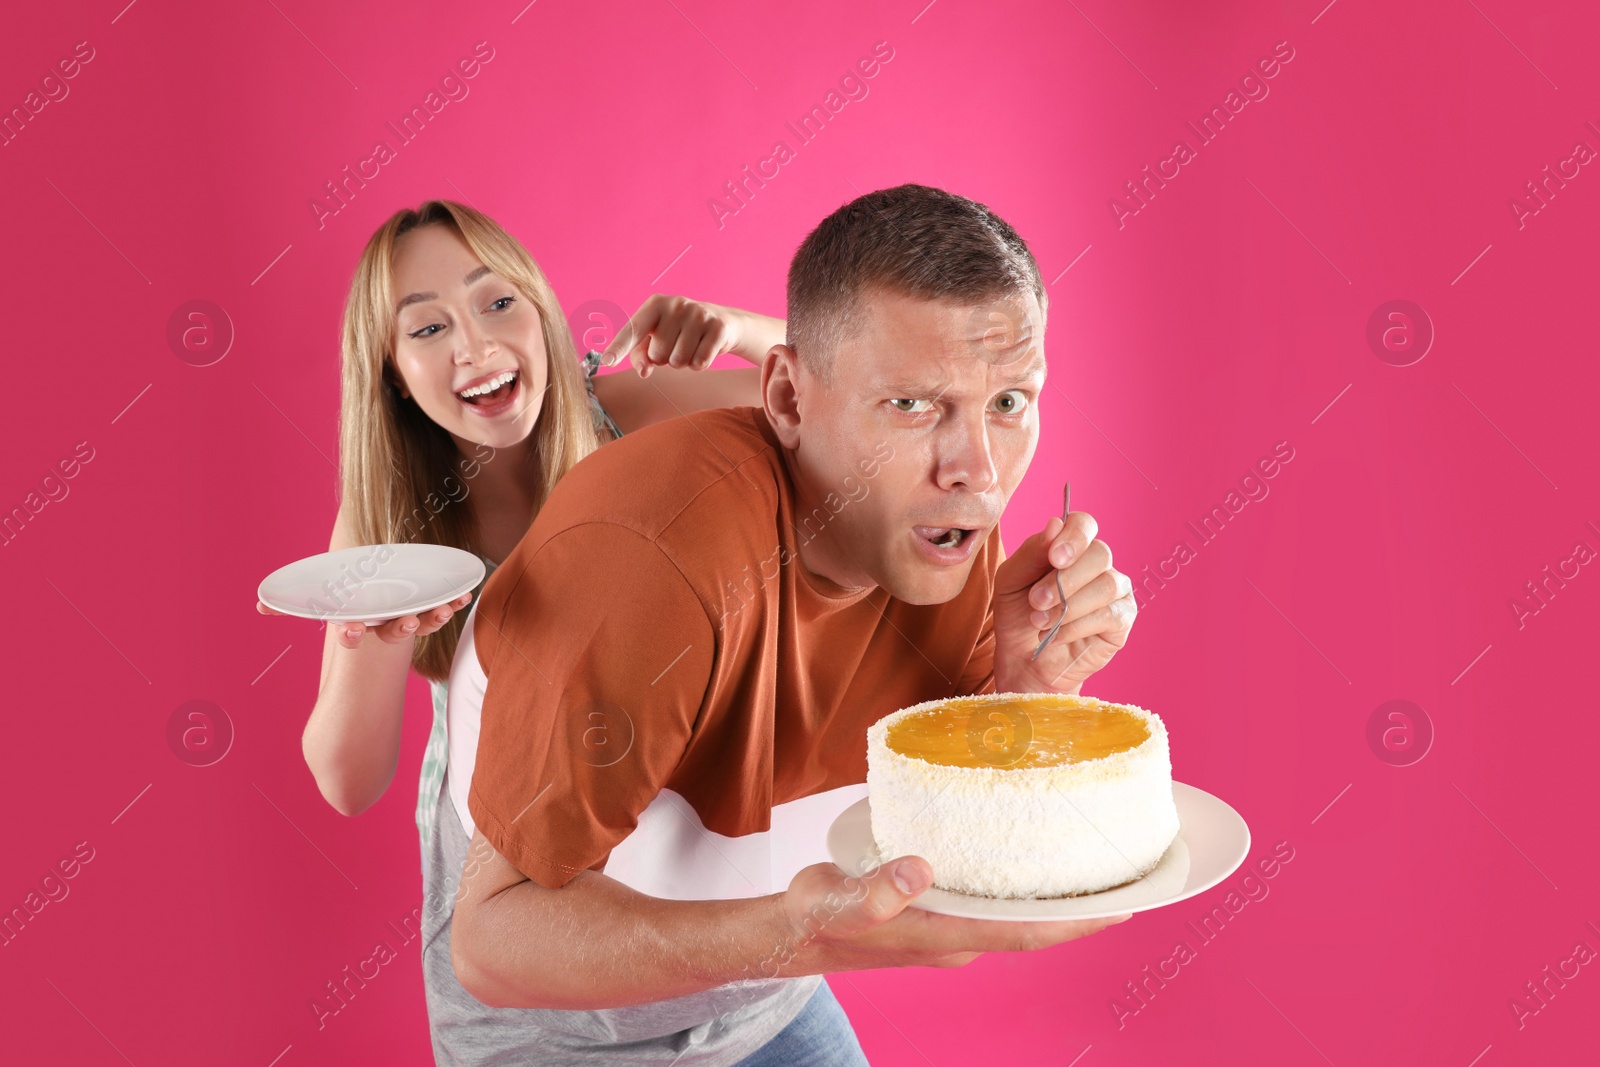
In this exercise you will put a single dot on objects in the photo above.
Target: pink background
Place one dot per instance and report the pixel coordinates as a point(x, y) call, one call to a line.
point(1223, 318)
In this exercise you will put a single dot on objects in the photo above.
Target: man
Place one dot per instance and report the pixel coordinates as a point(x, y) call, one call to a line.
point(676, 668)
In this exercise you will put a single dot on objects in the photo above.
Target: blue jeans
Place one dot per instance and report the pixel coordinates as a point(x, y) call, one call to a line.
point(820, 1036)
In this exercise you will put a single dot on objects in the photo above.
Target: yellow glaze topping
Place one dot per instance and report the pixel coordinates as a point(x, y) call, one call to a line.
point(1041, 731)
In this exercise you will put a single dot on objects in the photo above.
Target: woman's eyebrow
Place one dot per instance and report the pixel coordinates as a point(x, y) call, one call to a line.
point(417, 298)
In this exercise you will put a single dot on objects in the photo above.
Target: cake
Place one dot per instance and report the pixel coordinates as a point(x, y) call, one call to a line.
point(1023, 795)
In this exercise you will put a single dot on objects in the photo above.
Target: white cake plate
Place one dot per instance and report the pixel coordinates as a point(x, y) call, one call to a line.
point(371, 584)
point(1212, 842)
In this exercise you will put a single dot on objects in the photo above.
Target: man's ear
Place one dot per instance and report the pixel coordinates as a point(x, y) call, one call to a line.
point(780, 393)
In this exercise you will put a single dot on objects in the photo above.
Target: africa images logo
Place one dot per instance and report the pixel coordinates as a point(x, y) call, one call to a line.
point(1253, 87)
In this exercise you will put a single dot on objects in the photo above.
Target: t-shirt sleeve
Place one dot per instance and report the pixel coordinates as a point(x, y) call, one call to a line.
point(598, 654)
point(978, 675)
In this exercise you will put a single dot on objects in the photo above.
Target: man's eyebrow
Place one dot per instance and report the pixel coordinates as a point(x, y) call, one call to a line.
point(908, 387)
point(417, 298)
point(1034, 367)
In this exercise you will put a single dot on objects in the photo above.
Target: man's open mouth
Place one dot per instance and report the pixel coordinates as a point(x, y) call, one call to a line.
point(943, 536)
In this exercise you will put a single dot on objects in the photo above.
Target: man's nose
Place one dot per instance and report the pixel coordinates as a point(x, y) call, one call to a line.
point(966, 460)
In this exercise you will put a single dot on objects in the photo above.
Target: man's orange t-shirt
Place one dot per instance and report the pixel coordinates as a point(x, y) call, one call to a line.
point(671, 696)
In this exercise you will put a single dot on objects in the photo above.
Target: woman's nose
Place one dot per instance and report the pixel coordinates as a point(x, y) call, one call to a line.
point(473, 343)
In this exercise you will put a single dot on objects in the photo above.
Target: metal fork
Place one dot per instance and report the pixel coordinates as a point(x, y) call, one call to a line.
point(1066, 506)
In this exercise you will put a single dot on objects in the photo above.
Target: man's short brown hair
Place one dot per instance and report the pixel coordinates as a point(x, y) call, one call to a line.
point(911, 239)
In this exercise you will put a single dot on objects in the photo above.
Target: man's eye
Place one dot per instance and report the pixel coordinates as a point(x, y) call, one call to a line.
point(910, 410)
point(1012, 402)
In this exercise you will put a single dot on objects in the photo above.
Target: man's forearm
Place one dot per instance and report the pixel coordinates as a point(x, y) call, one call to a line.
point(595, 943)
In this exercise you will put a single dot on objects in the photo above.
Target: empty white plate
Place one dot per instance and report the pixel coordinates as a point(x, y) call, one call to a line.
point(1212, 842)
point(371, 584)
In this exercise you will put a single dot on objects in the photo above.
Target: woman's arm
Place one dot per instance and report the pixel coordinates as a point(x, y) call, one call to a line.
point(351, 742)
point(637, 402)
point(679, 332)
point(669, 341)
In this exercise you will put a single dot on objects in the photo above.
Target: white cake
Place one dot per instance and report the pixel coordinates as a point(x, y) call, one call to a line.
point(1023, 794)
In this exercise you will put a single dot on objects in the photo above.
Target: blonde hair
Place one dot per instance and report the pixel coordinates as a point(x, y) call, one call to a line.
point(397, 465)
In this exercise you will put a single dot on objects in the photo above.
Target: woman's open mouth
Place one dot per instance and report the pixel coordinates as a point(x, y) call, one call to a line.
point(493, 396)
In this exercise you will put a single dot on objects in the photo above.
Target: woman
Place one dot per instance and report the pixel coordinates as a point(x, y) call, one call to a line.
point(463, 402)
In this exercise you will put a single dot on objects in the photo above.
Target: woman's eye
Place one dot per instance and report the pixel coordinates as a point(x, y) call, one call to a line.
point(1012, 402)
point(424, 331)
point(506, 300)
point(895, 403)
